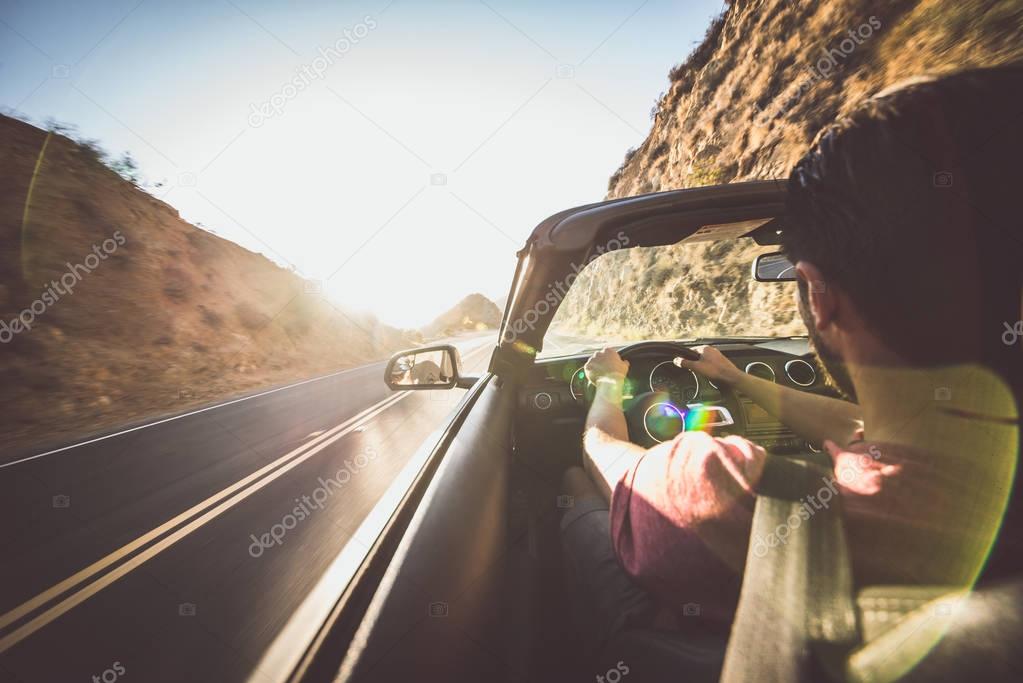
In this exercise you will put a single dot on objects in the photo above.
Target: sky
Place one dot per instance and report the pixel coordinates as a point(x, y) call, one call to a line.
point(400, 152)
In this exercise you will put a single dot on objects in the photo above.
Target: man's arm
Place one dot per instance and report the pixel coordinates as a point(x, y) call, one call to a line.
point(815, 418)
point(608, 453)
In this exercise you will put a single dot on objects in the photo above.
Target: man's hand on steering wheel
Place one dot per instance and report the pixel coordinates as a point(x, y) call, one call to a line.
point(713, 365)
point(606, 364)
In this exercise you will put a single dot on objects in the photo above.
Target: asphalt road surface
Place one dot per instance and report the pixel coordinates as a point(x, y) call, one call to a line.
point(183, 550)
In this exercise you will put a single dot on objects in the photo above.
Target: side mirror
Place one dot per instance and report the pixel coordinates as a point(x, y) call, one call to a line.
point(429, 367)
point(774, 267)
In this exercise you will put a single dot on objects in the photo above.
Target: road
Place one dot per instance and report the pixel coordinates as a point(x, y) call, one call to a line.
point(183, 550)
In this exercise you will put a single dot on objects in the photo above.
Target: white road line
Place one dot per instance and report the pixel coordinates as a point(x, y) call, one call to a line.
point(254, 482)
point(120, 553)
point(176, 417)
point(288, 646)
point(121, 570)
point(188, 414)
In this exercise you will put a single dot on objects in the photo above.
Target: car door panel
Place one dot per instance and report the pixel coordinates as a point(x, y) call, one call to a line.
point(441, 606)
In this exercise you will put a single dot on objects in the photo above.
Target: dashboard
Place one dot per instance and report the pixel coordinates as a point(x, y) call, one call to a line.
point(661, 399)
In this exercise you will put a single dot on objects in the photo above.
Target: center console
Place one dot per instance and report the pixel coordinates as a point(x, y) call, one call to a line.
point(766, 431)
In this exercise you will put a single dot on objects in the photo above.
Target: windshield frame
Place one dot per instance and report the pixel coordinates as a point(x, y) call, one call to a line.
point(557, 246)
point(684, 293)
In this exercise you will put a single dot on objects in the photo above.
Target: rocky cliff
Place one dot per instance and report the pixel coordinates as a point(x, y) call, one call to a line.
point(746, 104)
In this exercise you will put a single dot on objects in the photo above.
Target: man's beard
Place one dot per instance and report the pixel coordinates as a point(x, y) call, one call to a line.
point(831, 364)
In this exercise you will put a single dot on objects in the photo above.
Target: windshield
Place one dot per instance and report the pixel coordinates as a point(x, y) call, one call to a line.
point(679, 291)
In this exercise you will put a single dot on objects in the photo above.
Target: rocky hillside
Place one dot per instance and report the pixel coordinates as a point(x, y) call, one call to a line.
point(474, 312)
point(114, 309)
point(746, 104)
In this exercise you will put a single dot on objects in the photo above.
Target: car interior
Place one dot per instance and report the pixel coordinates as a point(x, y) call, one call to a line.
point(467, 581)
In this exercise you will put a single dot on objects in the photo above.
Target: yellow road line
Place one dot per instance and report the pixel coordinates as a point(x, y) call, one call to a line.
point(96, 586)
point(113, 557)
point(254, 482)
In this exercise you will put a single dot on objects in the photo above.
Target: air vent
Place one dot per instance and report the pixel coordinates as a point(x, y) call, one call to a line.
point(761, 370)
point(801, 372)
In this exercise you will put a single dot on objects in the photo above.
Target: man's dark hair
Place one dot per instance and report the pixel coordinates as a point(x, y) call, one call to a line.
point(911, 205)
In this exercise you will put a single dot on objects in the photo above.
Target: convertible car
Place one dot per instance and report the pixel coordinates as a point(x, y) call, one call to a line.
point(466, 583)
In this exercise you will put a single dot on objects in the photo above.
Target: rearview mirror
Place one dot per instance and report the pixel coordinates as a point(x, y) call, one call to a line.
point(429, 367)
point(774, 267)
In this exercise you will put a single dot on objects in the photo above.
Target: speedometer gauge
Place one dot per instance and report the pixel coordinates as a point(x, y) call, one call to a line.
point(680, 384)
point(578, 385)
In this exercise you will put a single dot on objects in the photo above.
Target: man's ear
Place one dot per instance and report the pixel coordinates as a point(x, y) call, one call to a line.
point(821, 299)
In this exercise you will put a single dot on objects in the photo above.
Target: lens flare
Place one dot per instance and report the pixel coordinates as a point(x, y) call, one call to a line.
point(697, 418)
point(663, 421)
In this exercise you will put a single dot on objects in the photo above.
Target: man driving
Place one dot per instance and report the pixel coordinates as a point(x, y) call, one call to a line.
point(902, 284)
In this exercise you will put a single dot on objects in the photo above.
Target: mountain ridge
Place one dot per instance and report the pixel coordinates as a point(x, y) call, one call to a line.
point(474, 312)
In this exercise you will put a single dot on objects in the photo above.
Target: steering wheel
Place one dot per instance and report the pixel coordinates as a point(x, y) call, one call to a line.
point(658, 346)
point(644, 408)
